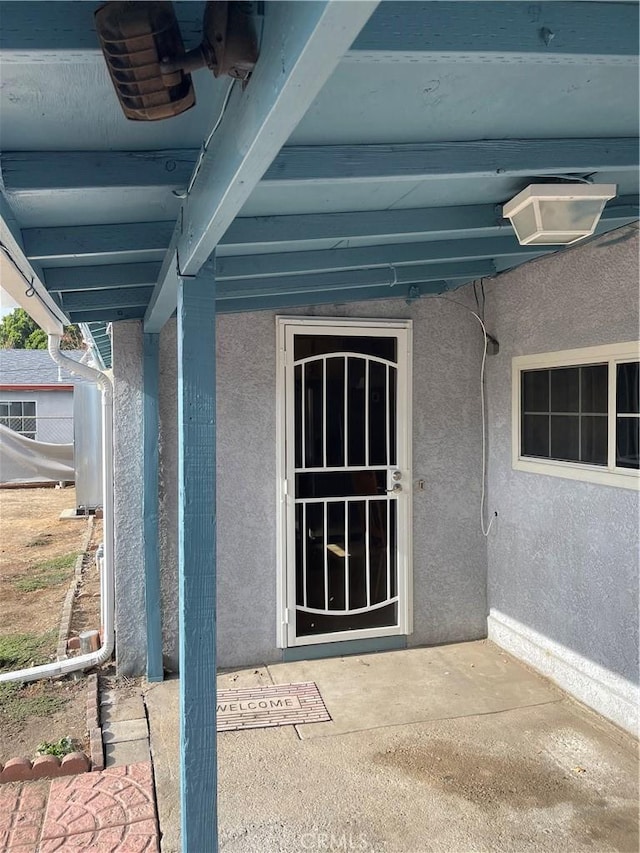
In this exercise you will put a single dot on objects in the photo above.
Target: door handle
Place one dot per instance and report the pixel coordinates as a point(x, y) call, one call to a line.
point(395, 488)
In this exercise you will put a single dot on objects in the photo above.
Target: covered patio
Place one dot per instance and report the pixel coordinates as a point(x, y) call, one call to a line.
point(438, 749)
point(356, 178)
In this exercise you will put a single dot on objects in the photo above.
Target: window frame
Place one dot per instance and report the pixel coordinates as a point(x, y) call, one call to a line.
point(610, 474)
point(22, 417)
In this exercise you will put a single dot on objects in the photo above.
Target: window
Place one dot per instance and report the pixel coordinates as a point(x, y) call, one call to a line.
point(576, 414)
point(19, 416)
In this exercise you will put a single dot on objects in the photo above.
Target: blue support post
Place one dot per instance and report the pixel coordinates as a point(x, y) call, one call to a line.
point(197, 562)
point(151, 542)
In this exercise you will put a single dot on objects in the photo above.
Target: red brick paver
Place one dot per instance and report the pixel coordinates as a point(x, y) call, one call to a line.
point(22, 808)
point(140, 837)
point(111, 812)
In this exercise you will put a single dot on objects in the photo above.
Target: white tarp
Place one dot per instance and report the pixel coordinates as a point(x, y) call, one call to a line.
point(42, 460)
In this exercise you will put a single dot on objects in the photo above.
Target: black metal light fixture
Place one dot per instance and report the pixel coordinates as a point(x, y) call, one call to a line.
point(145, 55)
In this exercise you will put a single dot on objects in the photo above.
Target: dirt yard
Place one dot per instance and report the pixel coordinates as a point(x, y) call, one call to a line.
point(37, 559)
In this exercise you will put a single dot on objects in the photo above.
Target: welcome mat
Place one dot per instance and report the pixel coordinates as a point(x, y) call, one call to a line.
point(275, 705)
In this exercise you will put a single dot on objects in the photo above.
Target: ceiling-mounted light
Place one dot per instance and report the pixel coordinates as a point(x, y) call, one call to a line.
point(557, 214)
point(149, 68)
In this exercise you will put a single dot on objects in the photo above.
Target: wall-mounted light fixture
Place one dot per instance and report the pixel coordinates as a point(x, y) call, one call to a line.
point(557, 214)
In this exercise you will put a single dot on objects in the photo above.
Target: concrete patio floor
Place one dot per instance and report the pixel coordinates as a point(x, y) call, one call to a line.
point(456, 749)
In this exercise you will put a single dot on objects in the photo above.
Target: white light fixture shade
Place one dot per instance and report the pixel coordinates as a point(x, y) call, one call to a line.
point(557, 214)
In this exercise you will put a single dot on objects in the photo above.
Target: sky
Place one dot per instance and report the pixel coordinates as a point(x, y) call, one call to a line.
point(6, 303)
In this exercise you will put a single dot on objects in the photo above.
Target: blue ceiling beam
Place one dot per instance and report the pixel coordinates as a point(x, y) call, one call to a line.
point(349, 279)
point(97, 242)
point(121, 297)
point(437, 222)
point(100, 243)
point(64, 31)
point(434, 223)
point(256, 294)
point(62, 279)
point(107, 315)
point(302, 43)
point(476, 159)
point(505, 32)
point(279, 302)
point(288, 263)
point(126, 285)
point(51, 171)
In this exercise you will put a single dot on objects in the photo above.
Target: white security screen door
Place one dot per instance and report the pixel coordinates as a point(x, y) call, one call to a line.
point(346, 479)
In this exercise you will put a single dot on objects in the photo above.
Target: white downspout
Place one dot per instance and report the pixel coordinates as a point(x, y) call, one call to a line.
point(107, 576)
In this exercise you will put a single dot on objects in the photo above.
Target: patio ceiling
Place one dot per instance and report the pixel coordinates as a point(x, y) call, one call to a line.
point(389, 182)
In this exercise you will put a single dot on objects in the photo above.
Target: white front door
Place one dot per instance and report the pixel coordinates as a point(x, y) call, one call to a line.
point(345, 479)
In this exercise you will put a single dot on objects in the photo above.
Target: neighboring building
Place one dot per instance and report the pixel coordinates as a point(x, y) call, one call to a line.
point(36, 400)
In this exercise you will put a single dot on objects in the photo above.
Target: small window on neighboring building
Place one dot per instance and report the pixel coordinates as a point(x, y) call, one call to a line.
point(19, 416)
point(576, 414)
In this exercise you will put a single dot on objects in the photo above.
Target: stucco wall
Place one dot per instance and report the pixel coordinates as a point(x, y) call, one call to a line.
point(563, 557)
point(128, 478)
point(449, 551)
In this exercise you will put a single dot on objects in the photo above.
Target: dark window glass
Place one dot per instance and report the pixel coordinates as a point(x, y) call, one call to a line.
point(565, 394)
point(535, 435)
point(336, 484)
point(593, 440)
point(535, 391)
point(308, 345)
point(628, 388)
point(377, 413)
point(314, 544)
point(357, 567)
point(29, 426)
point(392, 415)
point(19, 416)
point(565, 441)
point(313, 414)
point(301, 543)
point(297, 392)
point(355, 413)
point(627, 442)
point(335, 412)
point(564, 414)
point(595, 388)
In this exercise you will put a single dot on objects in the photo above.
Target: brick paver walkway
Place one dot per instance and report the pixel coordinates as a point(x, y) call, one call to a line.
point(22, 807)
point(108, 812)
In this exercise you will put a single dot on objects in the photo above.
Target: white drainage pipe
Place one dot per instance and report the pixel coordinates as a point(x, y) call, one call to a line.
point(107, 585)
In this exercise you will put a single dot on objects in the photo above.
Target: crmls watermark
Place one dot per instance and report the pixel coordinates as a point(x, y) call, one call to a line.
point(333, 842)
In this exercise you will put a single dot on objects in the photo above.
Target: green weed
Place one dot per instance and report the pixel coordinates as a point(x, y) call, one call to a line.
point(60, 747)
point(48, 573)
point(18, 703)
point(18, 651)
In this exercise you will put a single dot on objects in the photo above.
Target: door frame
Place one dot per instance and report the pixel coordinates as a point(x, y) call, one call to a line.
point(284, 551)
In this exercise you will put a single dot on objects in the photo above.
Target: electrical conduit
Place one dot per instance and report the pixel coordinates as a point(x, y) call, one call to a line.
point(107, 585)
